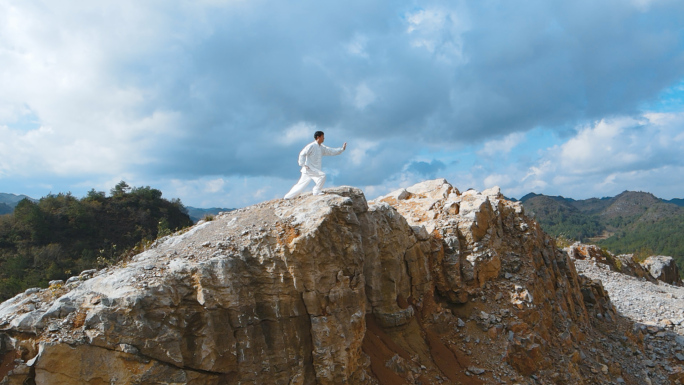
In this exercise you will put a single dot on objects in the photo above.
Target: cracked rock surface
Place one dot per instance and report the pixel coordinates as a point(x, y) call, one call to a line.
point(426, 285)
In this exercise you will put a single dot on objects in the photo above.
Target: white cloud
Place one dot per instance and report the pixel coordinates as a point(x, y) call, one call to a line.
point(643, 5)
point(611, 156)
point(623, 143)
point(499, 147)
point(214, 185)
point(359, 96)
point(358, 152)
point(57, 62)
point(259, 194)
point(364, 96)
point(299, 132)
point(439, 30)
point(497, 180)
point(357, 46)
point(111, 148)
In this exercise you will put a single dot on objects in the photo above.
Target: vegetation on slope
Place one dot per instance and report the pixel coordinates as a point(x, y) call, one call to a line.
point(632, 222)
point(645, 238)
point(60, 235)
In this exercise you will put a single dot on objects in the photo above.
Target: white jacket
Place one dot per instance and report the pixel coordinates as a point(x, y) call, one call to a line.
point(311, 155)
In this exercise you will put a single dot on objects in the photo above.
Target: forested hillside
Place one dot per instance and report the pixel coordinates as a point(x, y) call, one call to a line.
point(663, 237)
point(632, 222)
point(5, 208)
point(60, 235)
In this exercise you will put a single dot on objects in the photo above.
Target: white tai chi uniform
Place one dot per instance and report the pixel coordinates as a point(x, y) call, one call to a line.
point(310, 160)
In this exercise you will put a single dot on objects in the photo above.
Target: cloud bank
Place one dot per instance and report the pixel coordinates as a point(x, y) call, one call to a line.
point(183, 95)
point(604, 158)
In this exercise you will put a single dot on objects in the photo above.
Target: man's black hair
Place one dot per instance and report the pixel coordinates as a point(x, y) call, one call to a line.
point(317, 134)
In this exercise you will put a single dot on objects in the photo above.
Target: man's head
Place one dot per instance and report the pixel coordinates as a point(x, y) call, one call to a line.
point(319, 136)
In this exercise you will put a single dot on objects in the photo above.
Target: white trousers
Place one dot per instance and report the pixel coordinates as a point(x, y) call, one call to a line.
point(317, 176)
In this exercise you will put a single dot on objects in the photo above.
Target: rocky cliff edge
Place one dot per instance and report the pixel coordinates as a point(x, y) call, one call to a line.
point(425, 285)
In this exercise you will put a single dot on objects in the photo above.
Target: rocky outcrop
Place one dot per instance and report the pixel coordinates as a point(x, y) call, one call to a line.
point(488, 255)
point(655, 268)
point(623, 263)
point(425, 285)
point(663, 268)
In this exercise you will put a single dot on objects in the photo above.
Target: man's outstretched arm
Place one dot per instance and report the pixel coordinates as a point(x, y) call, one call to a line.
point(328, 151)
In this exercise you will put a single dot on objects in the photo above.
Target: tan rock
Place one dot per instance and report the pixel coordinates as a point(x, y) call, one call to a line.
point(61, 364)
point(435, 189)
point(416, 286)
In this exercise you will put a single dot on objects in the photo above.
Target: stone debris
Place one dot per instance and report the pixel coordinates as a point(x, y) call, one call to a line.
point(426, 285)
point(654, 268)
point(656, 310)
point(475, 370)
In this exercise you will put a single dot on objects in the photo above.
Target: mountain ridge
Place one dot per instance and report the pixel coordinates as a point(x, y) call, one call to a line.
point(12, 200)
point(627, 204)
point(597, 204)
point(631, 222)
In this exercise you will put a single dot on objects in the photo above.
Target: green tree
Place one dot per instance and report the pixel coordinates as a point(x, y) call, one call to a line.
point(120, 189)
point(61, 235)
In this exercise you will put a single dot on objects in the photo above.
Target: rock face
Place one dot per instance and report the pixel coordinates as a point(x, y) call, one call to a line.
point(664, 269)
point(425, 285)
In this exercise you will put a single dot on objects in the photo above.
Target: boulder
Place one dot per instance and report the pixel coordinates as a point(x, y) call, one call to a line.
point(663, 268)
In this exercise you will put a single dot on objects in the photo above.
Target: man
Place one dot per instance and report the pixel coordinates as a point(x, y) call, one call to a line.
point(310, 161)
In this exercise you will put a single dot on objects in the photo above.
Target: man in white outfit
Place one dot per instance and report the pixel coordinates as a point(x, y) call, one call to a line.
point(310, 161)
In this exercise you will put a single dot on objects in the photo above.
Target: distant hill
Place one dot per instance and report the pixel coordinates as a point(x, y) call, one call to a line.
point(12, 199)
point(631, 222)
point(196, 214)
point(677, 201)
point(561, 216)
point(627, 206)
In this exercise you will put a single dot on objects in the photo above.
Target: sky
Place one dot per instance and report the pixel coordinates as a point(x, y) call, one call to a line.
point(210, 101)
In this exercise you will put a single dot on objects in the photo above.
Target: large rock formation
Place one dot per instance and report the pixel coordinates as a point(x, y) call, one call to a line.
point(425, 285)
point(663, 268)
